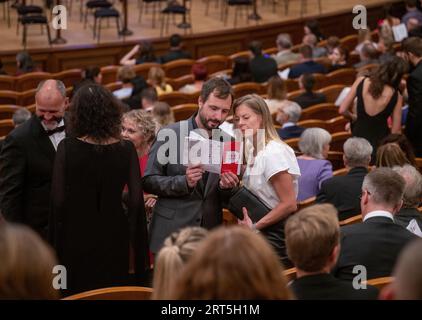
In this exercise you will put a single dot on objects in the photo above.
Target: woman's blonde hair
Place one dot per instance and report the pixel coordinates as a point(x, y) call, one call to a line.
point(390, 155)
point(126, 74)
point(276, 88)
point(177, 250)
point(162, 113)
point(26, 267)
point(157, 77)
point(232, 263)
point(145, 123)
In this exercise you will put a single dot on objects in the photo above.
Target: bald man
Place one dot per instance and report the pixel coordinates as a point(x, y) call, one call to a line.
point(27, 157)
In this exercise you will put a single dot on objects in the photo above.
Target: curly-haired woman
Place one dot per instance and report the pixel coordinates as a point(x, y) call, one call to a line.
point(88, 226)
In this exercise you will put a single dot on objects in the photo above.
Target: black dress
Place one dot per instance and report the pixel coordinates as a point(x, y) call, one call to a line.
point(88, 226)
point(372, 128)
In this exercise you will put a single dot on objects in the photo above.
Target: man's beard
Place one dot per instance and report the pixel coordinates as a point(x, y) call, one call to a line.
point(205, 122)
point(52, 123)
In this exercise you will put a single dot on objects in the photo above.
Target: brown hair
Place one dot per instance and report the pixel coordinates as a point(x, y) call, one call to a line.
point(157, 77)
point(413, 45)
point(162, 113)
point(126, 74)
point(311, 235)
point(233, 263)
point(276, 88)
point(390, 155)
point(404, 145)
point(26, 268)
point(177, 250)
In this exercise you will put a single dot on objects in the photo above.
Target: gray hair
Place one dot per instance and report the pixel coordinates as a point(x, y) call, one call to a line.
point(357, 152)
point(284, 41)
point(292, 110)
point(59, 86)
point(20, 116)
point(413, 189)
point(313, 140)
point(385, 186)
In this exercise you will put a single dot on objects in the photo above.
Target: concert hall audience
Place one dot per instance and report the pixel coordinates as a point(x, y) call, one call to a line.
point(332, 43)
point(338, 58)
point(27, 265)
point(306, 65)
point(312, 27)
point(262, 66)
point(364, 37)
point(390, 155)
point(125, 74)
point(403, 143)
point(175, 51)
point(241, 71)
point(163, 114)
point(232, 263)
point(412, 12)
point(386, 49)
point(288, 114)
point(285, 54)
point(177, 250)
point(24, 63)
point(313, 245)
point(200, 75)
point(157, 80)
point(148, 99)
point(314, 144)
point(144, 52)
point(367, 55)
point(311, 40)
point(276, 93)
point(309, 97)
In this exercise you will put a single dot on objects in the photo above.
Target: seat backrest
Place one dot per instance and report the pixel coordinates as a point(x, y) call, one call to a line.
point(27, 97)
point(340, 172)
point(143, 68)
point(321, 111)
point(245, 88)
point(306, 203)
point(336, 124)
point(352, 220)
point(229, 218)
point(349, 42)
point(293, 143)
point(381, 282)
point(109, 74)
point(184, 111)
point(344, 76)
point(69, 77)
point(338, 139)
point(215, 63)
point(271, 51)
point(178, 68)
point(320, 81)
point(290, 274)
point(9, 97)
point(332, 92)
point(369, 67)
point(113, 86)
point(336, 159)
point(174, 98)
point(30, 80)
point(241, 54)
point(419, 163)
point(7, 111)
point(178, 83)
point(312, 123)
point(294, 94)
point(291, 85)
point(114, 293)
point(6, 126)
point(7, 82)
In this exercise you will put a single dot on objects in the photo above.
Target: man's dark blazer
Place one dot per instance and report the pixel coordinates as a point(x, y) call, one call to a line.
point(177, 205)
point(175, 55)
point(26, 164)
point(263, 68)
point(309, 99)
point(414, 116)
point(405, 215)
point(290, 132)
point(325, 287)
point(375, 244)
point(306, 67)
point(343, 192)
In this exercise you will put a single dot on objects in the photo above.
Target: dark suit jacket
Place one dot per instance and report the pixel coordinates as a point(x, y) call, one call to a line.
point(179, 206)
point(263, 68)
point(326, 287)
point(414, 117)
point(26, 164)
point(175, 55)
point(290, 132)
point(308, 99)
point(343, 192)
point(306, 67)
point(375, 244)
point(405, 215)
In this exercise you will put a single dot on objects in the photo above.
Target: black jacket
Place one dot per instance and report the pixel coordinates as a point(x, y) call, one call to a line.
point(374, 244)
point(343, 192)
point(406, 215)
point(263, 68)
point(290, 132)
point(326, 287)
point(175, 55)
point(309, 99)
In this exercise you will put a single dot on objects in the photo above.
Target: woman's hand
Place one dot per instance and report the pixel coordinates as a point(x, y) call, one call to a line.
point(247, 222)
point(228, 180)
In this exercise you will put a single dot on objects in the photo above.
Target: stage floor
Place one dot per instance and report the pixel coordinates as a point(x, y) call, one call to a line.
point(76, 34)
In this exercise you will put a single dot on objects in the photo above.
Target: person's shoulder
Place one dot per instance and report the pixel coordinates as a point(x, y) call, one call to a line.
point(23, 131)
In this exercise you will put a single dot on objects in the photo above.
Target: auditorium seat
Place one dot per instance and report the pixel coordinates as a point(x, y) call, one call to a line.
point(380, 283)
point(336, 159)
point(338, 139)
point(7, 82)
point(7, 111)
point(178, 83)
point(290, 274)
point(114, 293)
point(30, 80)
point(306, 203)
point(336, 124)
point(113, 86)
point(313, 123)
point(293, 143)
point(215, 63)
point(241, 54)
point(109, 74)
point(5, 127)
point(178, 68)
point(143, 68)
point(176, 98)
point(340, 172)
point(228, 218)
point(344, 76)
point(294, 94)
point(321, 111)
point(352, 220)
point(69, 77)
point(349, 42)
point(9, 97)
point(184, 111)
point(245, 88)
point(332, 92)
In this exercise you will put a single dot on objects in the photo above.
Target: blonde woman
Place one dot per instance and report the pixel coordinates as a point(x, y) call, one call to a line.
point(177, 250)
point(157, 79)
point(271, 171)
point(163, 114)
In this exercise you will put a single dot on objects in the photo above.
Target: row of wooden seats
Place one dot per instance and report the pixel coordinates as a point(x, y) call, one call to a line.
point(24, 98)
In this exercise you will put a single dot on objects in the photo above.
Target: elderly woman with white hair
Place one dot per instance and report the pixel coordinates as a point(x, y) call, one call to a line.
point(314, 144)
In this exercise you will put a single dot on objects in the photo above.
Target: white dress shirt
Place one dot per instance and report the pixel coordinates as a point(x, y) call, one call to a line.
point(58, 136)
point(378, 213)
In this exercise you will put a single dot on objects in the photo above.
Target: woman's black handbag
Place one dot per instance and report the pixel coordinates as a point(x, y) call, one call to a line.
point(245, 198)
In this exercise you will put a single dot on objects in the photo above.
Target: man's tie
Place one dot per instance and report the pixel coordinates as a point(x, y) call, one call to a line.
point(53, 131)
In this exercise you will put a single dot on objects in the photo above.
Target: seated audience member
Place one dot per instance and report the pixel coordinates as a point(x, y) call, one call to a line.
point(27, 264)
point(144, 52)
point(157, 80)
point(307, 65)
point(241, 71)
point(343, 191)
point(2, 71)
point(288, 115)
point(403, 143)
point(377, 241)
point(134, 101)
point(24, 63)
point(148, 99)
point(312, 27)
point(232, 263)
point(125, 74)
point(314, 143)
point(285, 54)
point(338, 58)
point(386, 49)
point(200, 75)
point(313, 245)
point(311, 40)
point(20, 116)
point(407, 284)
point(364, 36)
point(177, 250)
point(175, 51)
point(409, 216)
point(276, 93)
point(412, 12)
point(163, 114)
point(414, 28)
point(309, 97)
point(332, 43)
point(390, 155)
point(368, 55)
point(91, 74)
point(262, 67)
